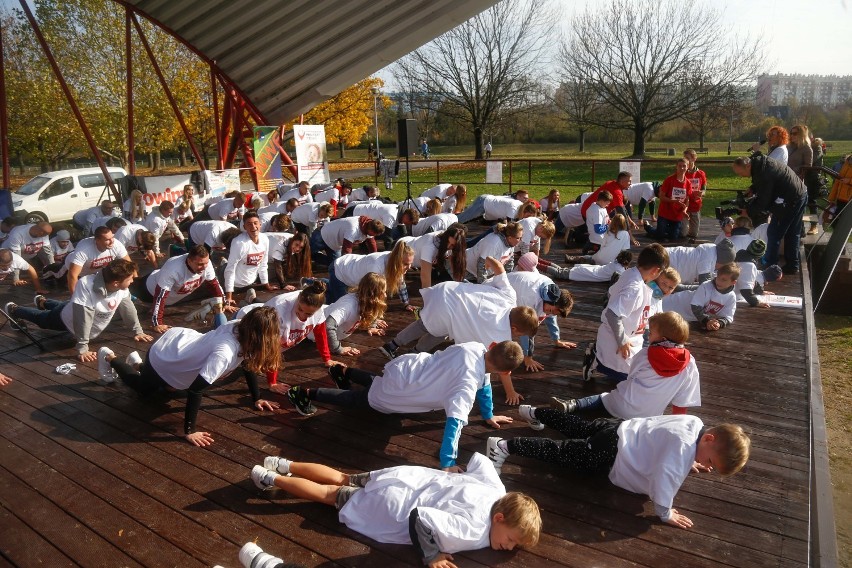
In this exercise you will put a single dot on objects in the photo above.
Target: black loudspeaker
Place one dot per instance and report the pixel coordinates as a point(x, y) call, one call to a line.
point(406, 137)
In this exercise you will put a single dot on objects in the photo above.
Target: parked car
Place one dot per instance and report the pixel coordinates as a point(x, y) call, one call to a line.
point(56, 196)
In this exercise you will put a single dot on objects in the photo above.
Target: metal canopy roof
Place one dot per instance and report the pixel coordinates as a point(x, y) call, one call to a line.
point(288, 56)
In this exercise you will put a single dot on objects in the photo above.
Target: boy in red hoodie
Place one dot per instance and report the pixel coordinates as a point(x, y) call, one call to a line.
point(663, 373)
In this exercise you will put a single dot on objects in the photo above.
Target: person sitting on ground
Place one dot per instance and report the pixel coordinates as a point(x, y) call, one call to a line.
point(651, 456)
point(440, 513)
point(661, 374)
point(466, 312)
point(11, 267)
point(183, 215)
point(588, 272)
point(134, 207)
point(452, 379)
point(712, 304)
point(615, 240)
point(625, 317)
point(185, 359)
point(94, 302)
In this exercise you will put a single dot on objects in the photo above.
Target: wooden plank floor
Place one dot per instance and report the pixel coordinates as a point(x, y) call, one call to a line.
point(92, 476)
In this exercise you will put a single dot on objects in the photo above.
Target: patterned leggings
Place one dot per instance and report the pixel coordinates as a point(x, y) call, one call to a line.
point(590, 448)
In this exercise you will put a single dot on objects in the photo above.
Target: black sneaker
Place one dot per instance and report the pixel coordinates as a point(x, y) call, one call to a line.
point(388, 350)
point(338, 375)
point(588, 361)
point(566, 405)
point(299, 397)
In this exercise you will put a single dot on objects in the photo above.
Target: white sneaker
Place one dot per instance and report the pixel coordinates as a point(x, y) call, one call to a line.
point(106, 372)
point(527, 413)
point(251, 294)
point(134, 359)
point(495, 454)
point(200, 314)
point(277, 464)
point(252, 556)
point(212, 302)
point(262, 477)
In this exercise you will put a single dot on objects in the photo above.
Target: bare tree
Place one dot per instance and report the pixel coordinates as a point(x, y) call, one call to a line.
point(642, 58)
point(482, 69)
point(579, 102)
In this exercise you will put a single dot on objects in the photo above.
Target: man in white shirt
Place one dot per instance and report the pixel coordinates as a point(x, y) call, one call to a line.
point(135, 238)
point(248, 259)
point(31, 241)
point(301, 193)
point(160, 223)
point(228, 209)
point(492, 208)
point(11, 267)
point(91, 255)
point(86, 218)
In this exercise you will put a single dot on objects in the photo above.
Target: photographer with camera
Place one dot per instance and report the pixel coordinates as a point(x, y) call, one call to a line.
point(778, 190)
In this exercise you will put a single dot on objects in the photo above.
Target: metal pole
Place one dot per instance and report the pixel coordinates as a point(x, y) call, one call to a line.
point(131, 141)
point(70, 98)
point(376, 92)
point(166, 90)
point(215, 95)
point(4, 125)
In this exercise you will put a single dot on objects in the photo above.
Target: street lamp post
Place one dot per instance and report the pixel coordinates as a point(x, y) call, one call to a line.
point(376, 93)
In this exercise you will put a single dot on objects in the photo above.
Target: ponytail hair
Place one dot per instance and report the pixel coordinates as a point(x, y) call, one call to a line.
point(433, 207)
point(395, 267)
point(314, 294)
point(461, 198)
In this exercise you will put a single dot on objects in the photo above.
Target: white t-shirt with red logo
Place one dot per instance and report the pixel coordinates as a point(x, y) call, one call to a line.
point(18, 263)
point(630, 300)
point(714, 304)
point(23, 244)
point(59, 252)
point(293, 330)
point(247, 262)
point(126, 235)
point(104, 306)
point(176, 277)
point(182, 354)
point(87, 256)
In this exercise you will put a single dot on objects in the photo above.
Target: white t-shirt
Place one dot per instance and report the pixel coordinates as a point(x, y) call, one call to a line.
point(278, 244)
point(179, 216)
point(714, 303)
point(639, 191)
point(544, 202)
point(293, 330)
point(176, 277)
point(421, 382)
point(335, 232)
point(387, 214)
point(761, 232)
point(266, 220)
point(329, 195)
point(597, 221)
point(351, 268)
point(529, 239)
point(630, 300)
point(294, 194)
point(104, 306)
point(741, 242)
point(690, 262)
point(306, 214)
point(247, 262)
point(501, 207)
point(469, 312)
point(439, 191)
point(224, 210)
point(612, 245)
point(645, 393)
point(59, 253)
point(208, 232)
point(182, 354)
point(127, 207)
point(126, 235)
point(492, 245)
point(780, 154)
point(594, 273)
point(87, 256)
point(655, 455)
point(425, 247)
point(23, 244)
point(359, 194)
point(747, 279)
point(455, 507)
point(345, 312)
point(526, 286)
point(438, 222)
point(571, 215)
point(18, 264)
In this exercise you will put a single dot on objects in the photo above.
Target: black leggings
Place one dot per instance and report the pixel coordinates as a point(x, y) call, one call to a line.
point(591, 446)
point(349, 398)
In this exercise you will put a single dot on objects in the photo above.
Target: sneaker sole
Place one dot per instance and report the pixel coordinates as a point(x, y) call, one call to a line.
point(256, 477)
point(390, 356)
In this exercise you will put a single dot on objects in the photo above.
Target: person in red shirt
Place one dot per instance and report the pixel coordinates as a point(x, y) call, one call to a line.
point(698, 179)
point(674, 202)
point(616, 187)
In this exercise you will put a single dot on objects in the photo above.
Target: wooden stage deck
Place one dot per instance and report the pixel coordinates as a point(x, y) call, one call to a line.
point(92, 476)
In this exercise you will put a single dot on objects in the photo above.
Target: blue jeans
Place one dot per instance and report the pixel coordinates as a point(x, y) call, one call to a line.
point(336, 288)
point(318, 247)
point(48, 318)
point(592, 402)
point(789, 228)
point(473, 211)
point(473, 240)
point(616, 376)
point(666, 229)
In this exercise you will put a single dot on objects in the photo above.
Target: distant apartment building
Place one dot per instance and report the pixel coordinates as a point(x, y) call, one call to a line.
point(824, 90)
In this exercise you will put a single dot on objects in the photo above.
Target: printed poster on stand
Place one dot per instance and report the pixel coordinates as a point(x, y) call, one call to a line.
point(311, 156)
point(267, 157)
point(635, 168)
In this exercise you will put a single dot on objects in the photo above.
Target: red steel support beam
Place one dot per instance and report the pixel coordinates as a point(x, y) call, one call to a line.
point(128, 48)
point(236, 125)
point(215, 94)
point(225, 131)
point(167, 91)
point(4, 123)
point(71, 102)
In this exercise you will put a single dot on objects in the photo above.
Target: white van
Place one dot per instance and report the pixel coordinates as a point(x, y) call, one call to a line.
point(56, 196)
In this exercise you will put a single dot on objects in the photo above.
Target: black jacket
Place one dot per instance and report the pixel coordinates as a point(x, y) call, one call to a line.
point(771, 180)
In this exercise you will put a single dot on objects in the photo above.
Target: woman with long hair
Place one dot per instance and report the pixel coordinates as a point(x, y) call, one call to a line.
point(290, 257)
point(449, 245)
point(455, 203)
point(362, 308)
point(186, 359)
point(348, 270)
point(134, 207)
point(550, 204)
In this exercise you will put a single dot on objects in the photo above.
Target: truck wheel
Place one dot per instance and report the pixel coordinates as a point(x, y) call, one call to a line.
point(35, 218)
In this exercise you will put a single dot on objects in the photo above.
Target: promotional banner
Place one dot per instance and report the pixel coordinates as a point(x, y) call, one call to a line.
point(163, 188)
point(311, 157)
point(267, 158)
point(634, 168)
point(220, 182)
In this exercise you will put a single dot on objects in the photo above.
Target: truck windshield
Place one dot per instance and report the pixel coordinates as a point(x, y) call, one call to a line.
point(33, 185)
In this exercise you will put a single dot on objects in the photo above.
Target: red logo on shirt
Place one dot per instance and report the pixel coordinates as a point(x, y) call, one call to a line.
point(713, 308)
point(643, 321)
point(100, 262)
point(254, 258)
point(33, 248)
point(296, 336)
point(190, 286)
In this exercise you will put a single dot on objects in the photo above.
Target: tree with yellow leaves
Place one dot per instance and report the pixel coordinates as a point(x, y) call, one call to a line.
point(348, 115)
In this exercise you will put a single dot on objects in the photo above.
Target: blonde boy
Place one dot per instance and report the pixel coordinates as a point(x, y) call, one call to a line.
point(712, 304)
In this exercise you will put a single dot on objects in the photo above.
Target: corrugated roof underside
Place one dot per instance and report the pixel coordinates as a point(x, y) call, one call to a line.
point(287, 56)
